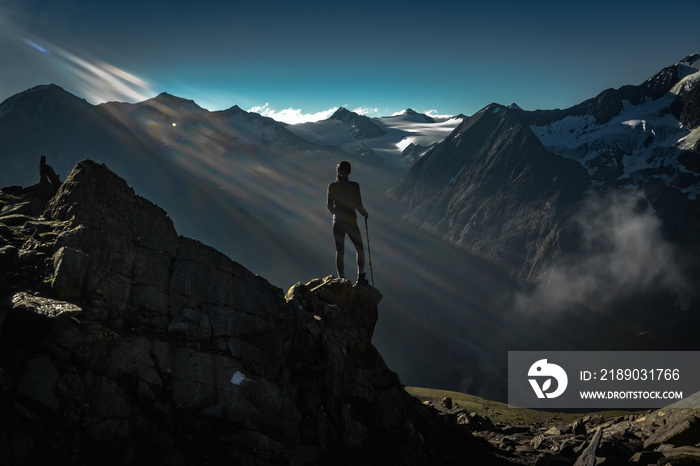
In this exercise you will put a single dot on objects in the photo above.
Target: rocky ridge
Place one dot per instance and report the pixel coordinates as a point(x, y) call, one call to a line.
point(122, 342)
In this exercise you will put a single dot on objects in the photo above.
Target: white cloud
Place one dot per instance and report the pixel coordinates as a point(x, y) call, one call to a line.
point(292, 115)
point(366, 110)
point(434, 114)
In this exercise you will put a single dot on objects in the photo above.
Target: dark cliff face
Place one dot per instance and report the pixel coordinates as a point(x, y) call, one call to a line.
point(121, 342)
point(492, 187)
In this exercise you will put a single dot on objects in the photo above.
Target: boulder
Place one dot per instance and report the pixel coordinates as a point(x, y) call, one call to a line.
point(681, 432)
point(588, 456)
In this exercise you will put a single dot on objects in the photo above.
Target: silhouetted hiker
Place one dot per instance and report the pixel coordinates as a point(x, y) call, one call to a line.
point(343, 200)
point(46, 173)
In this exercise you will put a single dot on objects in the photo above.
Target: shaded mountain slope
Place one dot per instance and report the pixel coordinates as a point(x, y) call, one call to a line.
point(493, 187)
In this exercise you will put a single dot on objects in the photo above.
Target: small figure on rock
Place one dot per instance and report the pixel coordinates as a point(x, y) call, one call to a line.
point(47, 174)
point(344, 200)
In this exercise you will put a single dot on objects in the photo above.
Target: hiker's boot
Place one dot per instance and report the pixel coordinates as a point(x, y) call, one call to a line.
point(362, 279)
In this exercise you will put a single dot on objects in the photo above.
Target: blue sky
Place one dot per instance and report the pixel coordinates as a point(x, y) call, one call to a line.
point(308, 58)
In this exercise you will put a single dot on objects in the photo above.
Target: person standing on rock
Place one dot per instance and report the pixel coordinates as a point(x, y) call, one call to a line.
point(344, 200)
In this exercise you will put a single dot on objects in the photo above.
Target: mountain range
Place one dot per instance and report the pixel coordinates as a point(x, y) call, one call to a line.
point(508, 229)
point(396, 140)
point(514, 184)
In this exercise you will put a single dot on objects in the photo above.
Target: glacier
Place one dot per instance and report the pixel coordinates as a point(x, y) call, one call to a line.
point(644, 136)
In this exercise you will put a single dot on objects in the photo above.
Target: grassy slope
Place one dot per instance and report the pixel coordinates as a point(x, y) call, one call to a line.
point(501, 412)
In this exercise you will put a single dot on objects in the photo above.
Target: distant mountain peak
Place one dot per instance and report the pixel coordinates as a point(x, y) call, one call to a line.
point(343, 114)
point(411, 115)
point(692, 60)
point(168, 96)
point(44, 97)
point(170, 104)
point(363, 126)
point(664, 80)
point(235, 110)
point(170, 99)
point(53, 89)
point(42, 87)
point(494, 108)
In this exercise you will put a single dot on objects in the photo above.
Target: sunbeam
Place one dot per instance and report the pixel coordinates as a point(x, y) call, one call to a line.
point(98, 81)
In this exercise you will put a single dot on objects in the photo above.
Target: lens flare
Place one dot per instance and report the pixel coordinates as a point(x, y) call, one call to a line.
point(97, 81)
point(36, 46)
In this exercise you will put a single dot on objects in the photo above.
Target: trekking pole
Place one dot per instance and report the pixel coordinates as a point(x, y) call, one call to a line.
point(369, 253)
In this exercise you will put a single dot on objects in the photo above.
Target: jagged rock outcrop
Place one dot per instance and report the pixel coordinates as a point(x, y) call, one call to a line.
point(667, 436)
point(122, 343)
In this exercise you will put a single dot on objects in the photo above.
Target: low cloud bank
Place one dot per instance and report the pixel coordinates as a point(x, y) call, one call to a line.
point(622, 254)
point(292, 115)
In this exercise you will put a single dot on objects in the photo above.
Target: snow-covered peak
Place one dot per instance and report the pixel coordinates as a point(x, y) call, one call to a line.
point(691, 61)
point(386, 137)
point(666, 79)
point(688, 73)
point(343, 114)
point(642, 139)
point(408, 115)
